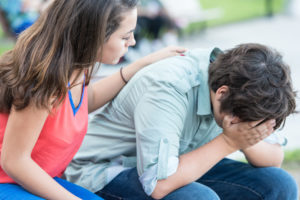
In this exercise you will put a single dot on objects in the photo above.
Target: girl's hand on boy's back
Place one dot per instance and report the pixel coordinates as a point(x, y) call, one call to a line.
point(164, 53)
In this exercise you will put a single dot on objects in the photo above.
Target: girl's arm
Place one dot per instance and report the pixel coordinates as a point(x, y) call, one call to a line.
point(106, 89)
point(21, 134)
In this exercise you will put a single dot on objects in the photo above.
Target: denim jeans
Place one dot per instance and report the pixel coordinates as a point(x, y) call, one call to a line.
point(228, 180)
point(9, 191)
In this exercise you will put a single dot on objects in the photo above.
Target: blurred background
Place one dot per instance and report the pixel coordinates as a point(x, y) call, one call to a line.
point(194, 24)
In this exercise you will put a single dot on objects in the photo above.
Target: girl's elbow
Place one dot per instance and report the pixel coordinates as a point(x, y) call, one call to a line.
point(5, 163)
point(9, 162)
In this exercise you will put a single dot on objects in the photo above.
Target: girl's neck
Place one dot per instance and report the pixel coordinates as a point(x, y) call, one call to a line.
point(80, 78)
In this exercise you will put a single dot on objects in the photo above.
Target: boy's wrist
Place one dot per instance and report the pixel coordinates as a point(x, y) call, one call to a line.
point(229, 145)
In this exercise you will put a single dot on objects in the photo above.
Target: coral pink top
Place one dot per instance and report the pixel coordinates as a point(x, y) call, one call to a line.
point(60, 138)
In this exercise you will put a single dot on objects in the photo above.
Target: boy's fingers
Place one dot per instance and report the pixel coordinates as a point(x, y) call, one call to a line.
point(254, 123)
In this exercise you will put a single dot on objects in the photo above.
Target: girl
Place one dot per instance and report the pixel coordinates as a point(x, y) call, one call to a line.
point(45, 95)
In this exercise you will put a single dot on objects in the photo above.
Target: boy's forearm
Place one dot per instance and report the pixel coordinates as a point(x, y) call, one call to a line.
point(193, 165)
point(264, 154)
point(196, 163)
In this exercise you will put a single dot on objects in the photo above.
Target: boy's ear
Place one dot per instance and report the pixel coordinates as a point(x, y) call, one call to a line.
point(221, 91)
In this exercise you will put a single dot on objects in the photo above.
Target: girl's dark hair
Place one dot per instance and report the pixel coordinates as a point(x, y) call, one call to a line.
point(65, 38)
point(259, 82)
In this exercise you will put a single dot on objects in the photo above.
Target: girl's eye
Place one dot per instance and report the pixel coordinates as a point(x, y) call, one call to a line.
point(126, 38)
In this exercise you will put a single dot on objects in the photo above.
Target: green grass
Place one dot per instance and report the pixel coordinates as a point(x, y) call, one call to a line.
point(292, 156)
point(292, 160)
point(1, 33)
point(5, 44)
point(236, 10)
point(5, 47)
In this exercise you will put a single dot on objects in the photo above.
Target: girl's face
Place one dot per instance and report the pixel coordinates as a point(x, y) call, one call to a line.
point(120, 40)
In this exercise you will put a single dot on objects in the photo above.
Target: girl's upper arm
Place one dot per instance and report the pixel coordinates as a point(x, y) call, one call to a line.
point(22, 131)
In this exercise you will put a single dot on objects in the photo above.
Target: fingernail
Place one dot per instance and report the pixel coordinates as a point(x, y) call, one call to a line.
point(182, 54)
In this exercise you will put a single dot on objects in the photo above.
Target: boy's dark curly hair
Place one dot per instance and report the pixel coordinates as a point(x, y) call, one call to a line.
point(259, 83)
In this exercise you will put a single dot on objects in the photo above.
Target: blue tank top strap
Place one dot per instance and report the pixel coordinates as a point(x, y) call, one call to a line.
point(75, 109)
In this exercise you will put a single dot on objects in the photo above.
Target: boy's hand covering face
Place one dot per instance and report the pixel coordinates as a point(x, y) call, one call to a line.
point(245, 134)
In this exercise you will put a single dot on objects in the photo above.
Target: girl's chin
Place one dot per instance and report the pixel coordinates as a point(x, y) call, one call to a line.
point(113, 62)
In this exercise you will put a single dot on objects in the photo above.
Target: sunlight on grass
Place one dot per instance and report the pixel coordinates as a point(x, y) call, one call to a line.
point(1, 33)
point(4, 48)
point(292, 160)
point(292, 155)
point(235, 11)
point(5, 44)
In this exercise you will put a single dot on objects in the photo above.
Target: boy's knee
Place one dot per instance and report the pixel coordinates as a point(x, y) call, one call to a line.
point(282, 185)
point(193, 191)
point(202, 195)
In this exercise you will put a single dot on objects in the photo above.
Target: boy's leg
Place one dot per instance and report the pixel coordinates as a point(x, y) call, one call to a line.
point(232, 179)
point(126, 186)
point(193, 191)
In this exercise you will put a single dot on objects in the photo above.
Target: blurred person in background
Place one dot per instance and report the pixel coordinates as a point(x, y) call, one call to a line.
point(154, 22)
point(18, 15)
point(155, 29)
